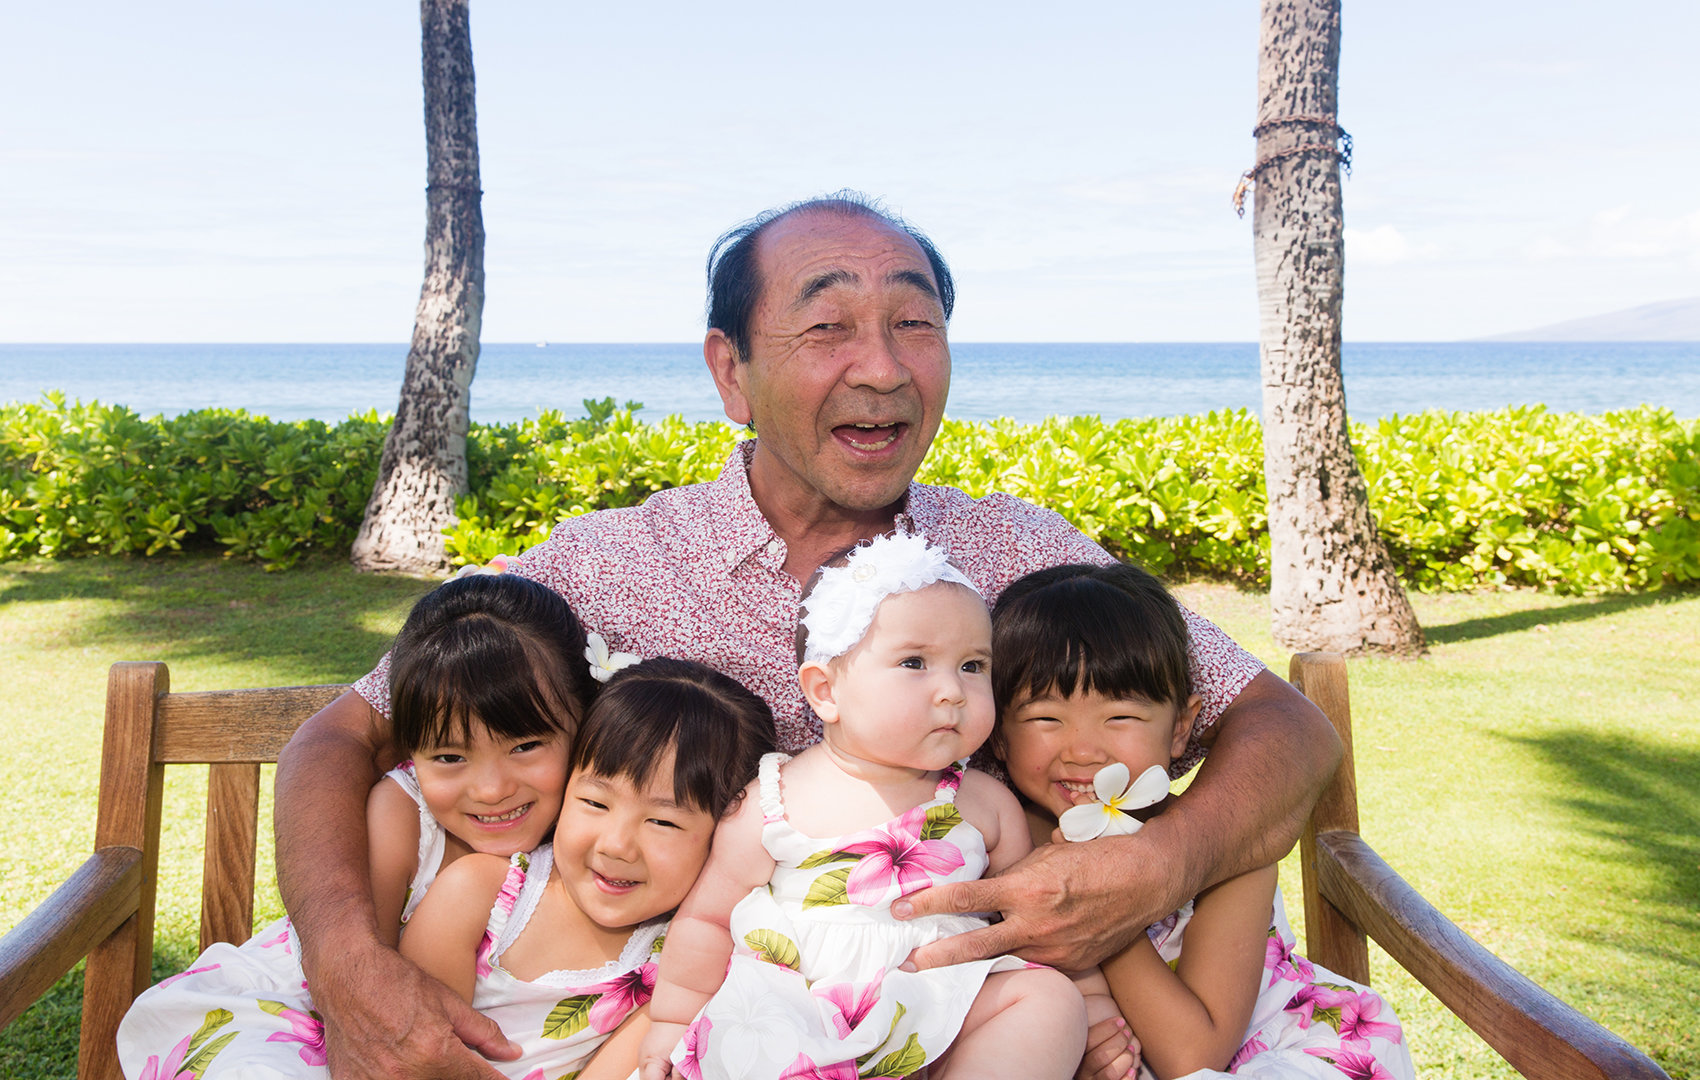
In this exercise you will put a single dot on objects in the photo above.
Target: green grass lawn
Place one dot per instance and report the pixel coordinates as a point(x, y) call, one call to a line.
point(1537, 776)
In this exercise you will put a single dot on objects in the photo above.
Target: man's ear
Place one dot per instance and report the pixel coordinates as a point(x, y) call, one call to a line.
point(728, 372)
point(816, 681)
point(1184, 720)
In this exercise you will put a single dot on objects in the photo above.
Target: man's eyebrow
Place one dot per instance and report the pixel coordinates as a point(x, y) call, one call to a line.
point(817, 285)
point(914, 279)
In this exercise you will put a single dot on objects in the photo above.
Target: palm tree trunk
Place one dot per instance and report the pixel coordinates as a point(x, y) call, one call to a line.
point(423, 467)
point(1332, 585)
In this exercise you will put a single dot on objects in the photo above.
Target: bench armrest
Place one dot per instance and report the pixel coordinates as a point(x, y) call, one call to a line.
point(1538, 1034)
point(82, 912)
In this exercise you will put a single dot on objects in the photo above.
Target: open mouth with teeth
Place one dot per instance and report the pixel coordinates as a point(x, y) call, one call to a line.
point(869, 438)
point(614, 884)
point(1081, 791)
point(502, 819)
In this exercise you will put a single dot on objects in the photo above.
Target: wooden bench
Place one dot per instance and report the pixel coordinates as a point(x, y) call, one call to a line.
point(105, 910)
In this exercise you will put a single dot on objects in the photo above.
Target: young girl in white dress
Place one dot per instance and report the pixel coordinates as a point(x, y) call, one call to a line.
point(895, 651)
point(488, 679)
point(1095, 703)
point(557, 946)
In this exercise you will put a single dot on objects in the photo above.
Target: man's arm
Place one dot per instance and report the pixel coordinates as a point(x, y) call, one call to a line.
point(383, 1016)
point(1072, 905)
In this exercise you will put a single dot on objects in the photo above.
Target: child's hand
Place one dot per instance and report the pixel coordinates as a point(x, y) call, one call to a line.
point(655, 1056)
point(1112, 1052)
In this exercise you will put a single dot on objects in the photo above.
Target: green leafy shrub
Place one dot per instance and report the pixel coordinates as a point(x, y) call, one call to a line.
point(1521, 496)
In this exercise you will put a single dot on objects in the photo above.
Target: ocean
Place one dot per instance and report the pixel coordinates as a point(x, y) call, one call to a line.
point(1024, 381)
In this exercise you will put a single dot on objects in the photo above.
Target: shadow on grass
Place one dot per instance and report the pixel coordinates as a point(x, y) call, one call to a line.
point(308, 624)
point(1575, 610)
point(1642, 800)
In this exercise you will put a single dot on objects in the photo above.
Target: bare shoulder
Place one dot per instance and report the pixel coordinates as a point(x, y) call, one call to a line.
point(467, 880)
point(981, 793)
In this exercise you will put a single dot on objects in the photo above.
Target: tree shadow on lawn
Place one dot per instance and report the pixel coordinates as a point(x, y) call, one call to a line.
point(1642, 800)
point(1577, 609)
point(310, 623)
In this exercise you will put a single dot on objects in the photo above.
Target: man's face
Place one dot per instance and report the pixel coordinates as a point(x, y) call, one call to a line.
point(848, 366)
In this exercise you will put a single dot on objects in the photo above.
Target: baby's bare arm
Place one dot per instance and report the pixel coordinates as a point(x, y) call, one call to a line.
point(699, 940)
point(990, 807)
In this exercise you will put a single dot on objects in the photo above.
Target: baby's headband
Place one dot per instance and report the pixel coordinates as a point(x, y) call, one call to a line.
point(837, 611)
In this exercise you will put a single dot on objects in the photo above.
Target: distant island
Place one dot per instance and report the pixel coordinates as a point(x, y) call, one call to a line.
point(1668, 320)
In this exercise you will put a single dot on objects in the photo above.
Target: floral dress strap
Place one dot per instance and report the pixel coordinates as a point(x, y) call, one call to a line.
point(767, 777)
point(950, 781)
point(522, 888)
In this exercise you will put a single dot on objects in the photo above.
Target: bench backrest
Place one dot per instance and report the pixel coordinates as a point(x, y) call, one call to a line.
point(148, 728)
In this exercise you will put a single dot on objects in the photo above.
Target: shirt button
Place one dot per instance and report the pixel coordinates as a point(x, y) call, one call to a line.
point(773, 546)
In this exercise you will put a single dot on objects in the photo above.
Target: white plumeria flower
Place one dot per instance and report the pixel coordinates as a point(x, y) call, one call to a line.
point(1116, 796)
point(603, 663)
point(498, 564)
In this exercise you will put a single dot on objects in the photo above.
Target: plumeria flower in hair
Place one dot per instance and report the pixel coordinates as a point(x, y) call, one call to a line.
point(1109, 816)
point(603, 663)
point(498, 564)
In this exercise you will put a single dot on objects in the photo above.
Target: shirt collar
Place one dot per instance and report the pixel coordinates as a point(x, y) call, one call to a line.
point(743, 531)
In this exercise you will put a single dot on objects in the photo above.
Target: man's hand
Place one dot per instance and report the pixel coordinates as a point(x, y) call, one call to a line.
point(1066, 905)
point(385, 1019)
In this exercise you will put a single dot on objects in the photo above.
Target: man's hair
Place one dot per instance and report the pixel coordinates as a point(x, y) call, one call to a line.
point(710, 725)
point(500, 648)
point(734, 276)
point(1111, 630)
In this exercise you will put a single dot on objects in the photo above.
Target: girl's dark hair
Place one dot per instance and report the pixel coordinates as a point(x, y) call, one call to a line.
point(1111, 630)
point(499, 647)
point(713, 728)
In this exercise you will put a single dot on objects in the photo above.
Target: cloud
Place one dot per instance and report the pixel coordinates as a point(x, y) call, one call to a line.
point(1383, 245)
point(1620, 232)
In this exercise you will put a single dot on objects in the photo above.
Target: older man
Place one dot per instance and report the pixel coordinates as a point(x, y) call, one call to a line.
point(827, 333)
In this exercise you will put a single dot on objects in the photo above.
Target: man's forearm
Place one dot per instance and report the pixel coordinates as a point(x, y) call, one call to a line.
point(1273, 753)
point(323, 778)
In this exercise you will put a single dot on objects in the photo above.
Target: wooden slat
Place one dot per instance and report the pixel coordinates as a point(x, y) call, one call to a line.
point(220, 726)
point(227, 869)
point(1330, 938)
point(1541, 1036)
point(91, 903)
point(132, 787)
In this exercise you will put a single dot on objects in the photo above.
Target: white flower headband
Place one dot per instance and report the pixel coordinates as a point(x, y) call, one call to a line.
point(839, 608)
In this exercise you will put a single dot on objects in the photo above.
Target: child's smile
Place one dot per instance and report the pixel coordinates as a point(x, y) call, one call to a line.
point(1053, 745)
point(493, 793)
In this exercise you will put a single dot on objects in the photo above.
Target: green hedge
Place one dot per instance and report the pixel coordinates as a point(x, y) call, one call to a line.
point(1520, 496)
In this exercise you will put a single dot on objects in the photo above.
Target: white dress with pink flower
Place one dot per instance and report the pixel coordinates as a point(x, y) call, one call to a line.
point(559, 1019)
point(814, 989)
point(1308, 1023)
point(244, 1010)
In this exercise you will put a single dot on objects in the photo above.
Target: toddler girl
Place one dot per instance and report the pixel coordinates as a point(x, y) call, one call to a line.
point(895, 651)
point(1095, 702)
point(488, 678)
point(557, 945)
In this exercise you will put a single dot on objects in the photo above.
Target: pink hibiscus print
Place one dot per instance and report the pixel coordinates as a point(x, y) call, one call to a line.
point(1358, 1023)
point(305, 1029)
point(280, 938)
point(619, 996)
point(694, 1043)
point(1283, 963)
point(167, 1069)
point(185, 974)
point(898, 854)
point(805, 1069)
point(1311, 997)
point(850, 1003)
point(1253, 1047)
point(1353, 1064)
point(481, 962)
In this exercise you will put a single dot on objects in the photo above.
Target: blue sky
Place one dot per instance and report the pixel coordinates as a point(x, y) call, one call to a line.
point(183, 171)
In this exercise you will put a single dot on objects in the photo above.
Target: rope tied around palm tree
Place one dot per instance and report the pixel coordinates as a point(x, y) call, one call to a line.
point(1339, 144)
